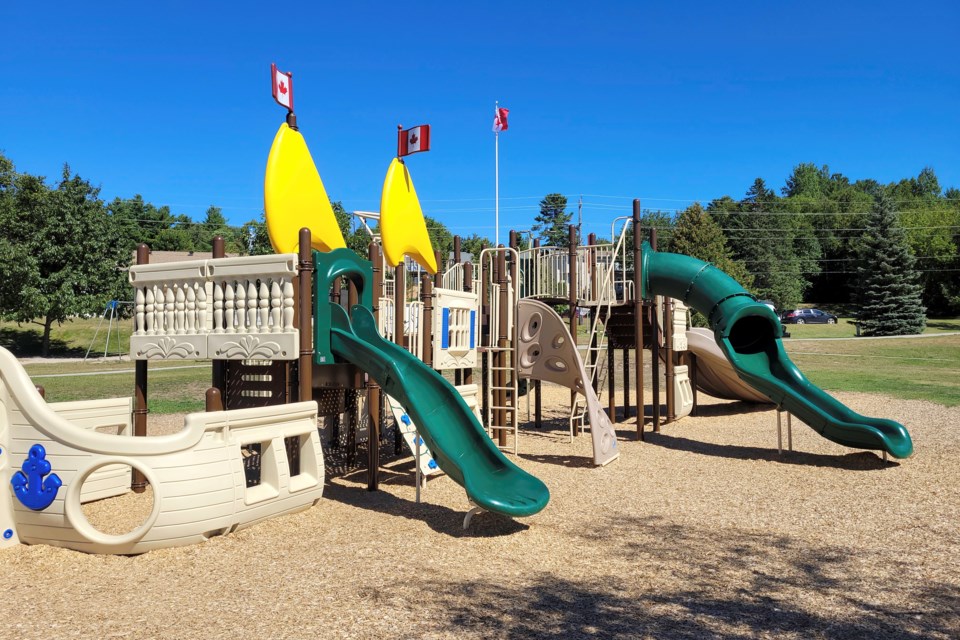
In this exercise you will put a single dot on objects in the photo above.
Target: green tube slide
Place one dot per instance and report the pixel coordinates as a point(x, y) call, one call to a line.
point(749, 333)
point(447, 425)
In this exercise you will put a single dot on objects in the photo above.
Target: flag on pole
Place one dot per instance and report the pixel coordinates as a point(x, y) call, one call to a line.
point(500, 119)
point(413, 140)
point(282, 87)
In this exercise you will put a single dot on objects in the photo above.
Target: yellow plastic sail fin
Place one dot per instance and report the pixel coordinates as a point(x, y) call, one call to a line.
point(402, 227)
point(294, 197)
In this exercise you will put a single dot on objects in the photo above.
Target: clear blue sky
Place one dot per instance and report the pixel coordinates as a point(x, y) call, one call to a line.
point(612, 100)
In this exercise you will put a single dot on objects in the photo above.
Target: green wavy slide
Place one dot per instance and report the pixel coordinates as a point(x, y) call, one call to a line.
point(749, 333)
point(459, 444)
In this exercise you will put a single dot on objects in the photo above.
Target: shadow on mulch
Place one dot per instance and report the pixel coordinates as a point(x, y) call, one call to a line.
point(731, 408)
point(438, 517)
point(576, 462)
point(858, 461)
point(707, 583)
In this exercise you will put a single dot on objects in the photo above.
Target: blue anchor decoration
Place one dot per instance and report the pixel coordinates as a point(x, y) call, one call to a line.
point(29, 485)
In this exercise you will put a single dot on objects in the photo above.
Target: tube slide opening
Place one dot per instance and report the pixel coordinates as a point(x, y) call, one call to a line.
point(752, 334)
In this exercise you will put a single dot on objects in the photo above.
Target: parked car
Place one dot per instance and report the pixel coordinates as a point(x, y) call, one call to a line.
point(809, 316)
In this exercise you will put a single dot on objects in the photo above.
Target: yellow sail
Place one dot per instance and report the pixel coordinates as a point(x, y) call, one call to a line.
point(294, 197)
point(402, 227)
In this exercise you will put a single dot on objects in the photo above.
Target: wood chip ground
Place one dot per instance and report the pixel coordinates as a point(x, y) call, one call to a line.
point(701, 531)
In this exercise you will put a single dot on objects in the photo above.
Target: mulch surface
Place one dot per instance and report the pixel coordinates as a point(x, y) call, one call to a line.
point(703, 530)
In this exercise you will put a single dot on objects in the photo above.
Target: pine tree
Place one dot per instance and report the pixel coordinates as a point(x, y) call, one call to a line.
point(551, 222)
point(890, 293)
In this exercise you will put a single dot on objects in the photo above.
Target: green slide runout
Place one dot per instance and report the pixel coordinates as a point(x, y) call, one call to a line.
point(749, 333)
point(459, 444)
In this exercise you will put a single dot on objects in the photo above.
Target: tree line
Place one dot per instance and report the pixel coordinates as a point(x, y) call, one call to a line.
point(64, 251)
point(820, 239)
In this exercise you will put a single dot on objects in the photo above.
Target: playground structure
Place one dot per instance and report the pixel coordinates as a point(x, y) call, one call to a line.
point(314, 347)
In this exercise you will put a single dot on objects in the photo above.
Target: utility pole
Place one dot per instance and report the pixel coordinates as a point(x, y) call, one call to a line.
point(579, 219)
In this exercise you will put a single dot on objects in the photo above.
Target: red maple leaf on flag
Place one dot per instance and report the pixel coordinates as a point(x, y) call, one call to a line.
point(283, 87)
point(413, 139)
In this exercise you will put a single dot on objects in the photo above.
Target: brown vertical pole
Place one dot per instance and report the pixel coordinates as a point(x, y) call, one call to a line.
point(486, 340)
point(438, 276)
point(515, 344)
point(655, 354)
point(638, 314)
point(373, 389)
point(594, 310)
point(669, 370)
point(219, 367)
point(456, 250)
point(138, 482)
point(500, 376)
point(468, 287)
point(693, 382)
point(399, 302)
point(538, 405)
point(213, 400)
point(611, 385)
point(304, 322)
point(426, 297)
point(626, 383)
point(572, 297)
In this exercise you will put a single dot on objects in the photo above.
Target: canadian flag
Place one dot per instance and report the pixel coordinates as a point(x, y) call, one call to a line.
point(500, 119)
point(282, 86)
point(413, 140)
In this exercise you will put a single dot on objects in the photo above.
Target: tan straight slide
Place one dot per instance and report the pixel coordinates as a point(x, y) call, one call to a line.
point(715, 375)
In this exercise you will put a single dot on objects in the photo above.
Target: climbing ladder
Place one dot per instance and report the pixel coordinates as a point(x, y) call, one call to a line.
point(606, 291)
point(500, 350)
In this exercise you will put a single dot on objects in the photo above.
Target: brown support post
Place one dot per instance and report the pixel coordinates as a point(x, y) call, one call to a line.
point(594, 310)
point(655, 354)
point(486, 340)
point(468, 287)
point(438, 276)
point(399, 302)
point(669, 370)
point(214, 401)
point(693, 382)
point(626, 384)
point(456, 250)
point(638, 314)
point(426, 297)
point(373, 389)
point(611, 386)
point(138, 482)
point(41, 391)
point(538, 405)
point(500, 377)
point(515, 345)
point(219, 367)
point(572, 297)
point(304, 322)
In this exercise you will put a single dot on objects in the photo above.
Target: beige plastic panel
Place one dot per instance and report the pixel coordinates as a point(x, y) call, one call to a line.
point(227, 308)
point(113, 415)
point(458, 355)
point(682, 392)
point(196, 475)
point(547, 352)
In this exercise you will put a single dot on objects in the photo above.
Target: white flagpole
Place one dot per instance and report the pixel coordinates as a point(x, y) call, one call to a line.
point(496, 173)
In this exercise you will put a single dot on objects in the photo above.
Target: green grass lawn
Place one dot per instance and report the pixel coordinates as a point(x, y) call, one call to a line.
point(846, 329)
point(70, 339)
point(170, 388)
point(912, 368)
